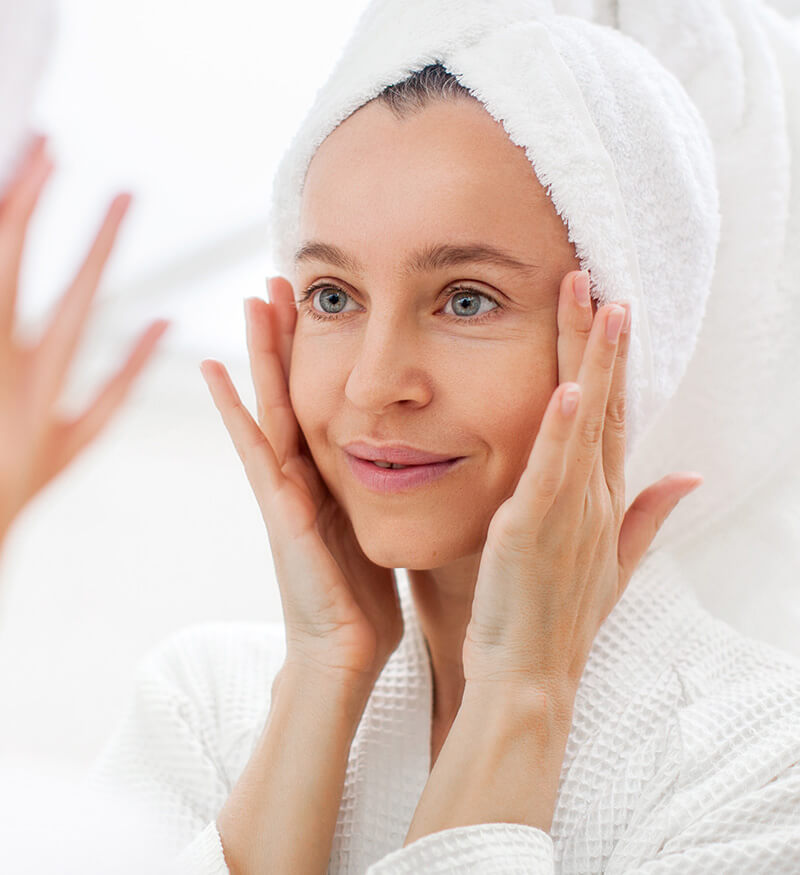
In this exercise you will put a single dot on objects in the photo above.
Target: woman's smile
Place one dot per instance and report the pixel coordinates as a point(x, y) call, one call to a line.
point(374, 476)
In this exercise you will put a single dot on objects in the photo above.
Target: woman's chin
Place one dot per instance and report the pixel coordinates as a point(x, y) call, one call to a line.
point(406, 538)
point(412, 552)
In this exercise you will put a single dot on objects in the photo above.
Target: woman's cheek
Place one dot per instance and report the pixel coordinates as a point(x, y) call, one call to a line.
point(313, 380)
point(301, 386)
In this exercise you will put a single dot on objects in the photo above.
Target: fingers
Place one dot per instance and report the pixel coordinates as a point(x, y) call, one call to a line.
point(34, 147)
point(282, 297)
point(544, 474)
point(275, 414)
point(595, 377)
point(614, 431)
point(57, 345)
point(646, 516)
point(574, 325)
point(79, 433)
point(254, 450)
point(16, 208)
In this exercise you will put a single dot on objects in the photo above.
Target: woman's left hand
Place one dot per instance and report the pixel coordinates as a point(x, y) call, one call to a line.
point(560, 551)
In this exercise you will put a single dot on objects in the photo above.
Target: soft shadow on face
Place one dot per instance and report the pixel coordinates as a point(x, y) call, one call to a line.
point(409, 358)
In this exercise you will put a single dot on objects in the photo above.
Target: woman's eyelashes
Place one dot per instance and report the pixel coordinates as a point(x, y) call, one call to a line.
point(465, 303)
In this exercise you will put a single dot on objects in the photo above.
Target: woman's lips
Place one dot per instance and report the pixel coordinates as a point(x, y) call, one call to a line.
point(387, 480)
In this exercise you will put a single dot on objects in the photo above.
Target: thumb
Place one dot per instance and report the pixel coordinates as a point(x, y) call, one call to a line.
point(647, 514)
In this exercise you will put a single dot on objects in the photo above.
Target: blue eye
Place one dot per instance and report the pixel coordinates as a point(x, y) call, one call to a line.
point(462, 294)
point(336, 298)
point(332, 295)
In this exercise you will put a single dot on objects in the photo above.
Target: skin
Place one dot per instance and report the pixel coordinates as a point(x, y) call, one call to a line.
point(36, 442)
point(393, 367)
point(515, 557)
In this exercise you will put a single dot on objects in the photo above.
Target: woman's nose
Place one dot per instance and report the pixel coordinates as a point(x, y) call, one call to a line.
point(387, 367)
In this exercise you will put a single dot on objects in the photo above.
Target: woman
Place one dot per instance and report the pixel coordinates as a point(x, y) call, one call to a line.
point(545, 694)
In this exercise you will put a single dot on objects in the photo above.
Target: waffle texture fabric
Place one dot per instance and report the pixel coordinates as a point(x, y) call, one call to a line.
point(683, 755)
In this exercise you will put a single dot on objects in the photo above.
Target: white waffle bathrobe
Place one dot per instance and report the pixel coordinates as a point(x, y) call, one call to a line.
point(683, 756)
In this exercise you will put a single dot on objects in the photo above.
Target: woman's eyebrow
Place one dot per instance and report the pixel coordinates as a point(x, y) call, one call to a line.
point(431, 258)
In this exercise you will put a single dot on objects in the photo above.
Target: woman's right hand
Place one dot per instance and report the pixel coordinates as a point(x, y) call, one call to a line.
point(341, 612)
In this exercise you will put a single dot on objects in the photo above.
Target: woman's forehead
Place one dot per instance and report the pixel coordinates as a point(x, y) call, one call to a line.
point(435, 179)
point(448, 146)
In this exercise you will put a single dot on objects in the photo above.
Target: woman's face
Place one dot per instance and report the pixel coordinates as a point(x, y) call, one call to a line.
point(457, 358)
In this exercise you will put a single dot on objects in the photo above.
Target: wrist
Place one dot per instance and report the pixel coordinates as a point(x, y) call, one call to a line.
point(338, 681)
point(515, 706)
point(342, 692)
point(501, 761)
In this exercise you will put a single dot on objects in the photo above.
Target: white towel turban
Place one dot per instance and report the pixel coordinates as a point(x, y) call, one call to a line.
point(736, 414)
point(612, 136)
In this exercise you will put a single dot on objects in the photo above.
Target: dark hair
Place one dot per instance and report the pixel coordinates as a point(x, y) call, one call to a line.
point(432, 82)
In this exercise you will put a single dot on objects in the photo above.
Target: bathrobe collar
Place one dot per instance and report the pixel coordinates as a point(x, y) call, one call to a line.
point(629, 654)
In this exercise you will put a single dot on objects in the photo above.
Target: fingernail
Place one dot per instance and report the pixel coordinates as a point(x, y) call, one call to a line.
point(36, 142)
point(581, 287)
point(35, 149)
point(679, 498)
point(569, 401)
point(628, 317)
point(269, 294)
point(122, 201)
point(614, 323)
point(30, 157)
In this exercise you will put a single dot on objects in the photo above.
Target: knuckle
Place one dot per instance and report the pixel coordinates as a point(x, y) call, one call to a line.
point(615, 471)
point(592, 518)
point(239, 408)
point(549, 485)
point(254, 442)
point(591, 431)
point(595, 519)
point(582, 328)
point(617, 412)
point(618, 502)
point(607, 363)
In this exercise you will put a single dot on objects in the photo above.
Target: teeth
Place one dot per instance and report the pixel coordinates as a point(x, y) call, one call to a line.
point(388, 465)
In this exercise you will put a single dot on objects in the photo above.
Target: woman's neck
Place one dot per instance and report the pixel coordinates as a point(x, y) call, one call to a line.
point(443, 602)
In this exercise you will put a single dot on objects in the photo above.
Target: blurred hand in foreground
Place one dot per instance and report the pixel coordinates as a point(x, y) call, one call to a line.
point(35, 442)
